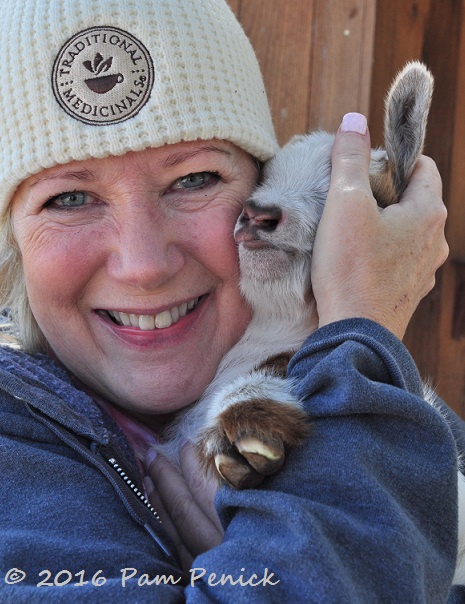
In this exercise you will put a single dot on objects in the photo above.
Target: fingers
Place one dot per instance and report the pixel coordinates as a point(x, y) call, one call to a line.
point(190, 527)
point(423, 199)
point(425, 184)
point(424, 209)
point(351, 157)
point(203, 489)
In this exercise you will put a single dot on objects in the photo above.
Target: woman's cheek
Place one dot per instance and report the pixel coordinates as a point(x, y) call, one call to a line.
point(218, 245)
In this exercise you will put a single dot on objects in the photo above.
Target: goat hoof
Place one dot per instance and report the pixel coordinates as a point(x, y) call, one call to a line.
point(237, 472)
point(266, 459)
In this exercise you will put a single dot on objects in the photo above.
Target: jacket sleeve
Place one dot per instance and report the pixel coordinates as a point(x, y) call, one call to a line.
point(366, 510)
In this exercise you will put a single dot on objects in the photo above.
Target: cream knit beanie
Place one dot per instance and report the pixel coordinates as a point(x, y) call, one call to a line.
point(91, 78)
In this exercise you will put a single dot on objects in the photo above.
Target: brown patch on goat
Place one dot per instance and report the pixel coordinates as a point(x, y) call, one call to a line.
point(277, 365)
point(382, 185)
point(275, 425)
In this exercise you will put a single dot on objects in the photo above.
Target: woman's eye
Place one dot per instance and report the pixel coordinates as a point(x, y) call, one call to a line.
point(76, 199)
point(199, 180)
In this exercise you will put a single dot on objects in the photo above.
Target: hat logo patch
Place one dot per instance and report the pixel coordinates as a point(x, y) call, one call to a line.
point(101, 84)
point(102, 75)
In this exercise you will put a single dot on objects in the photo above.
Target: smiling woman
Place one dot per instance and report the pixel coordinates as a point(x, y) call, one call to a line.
point(137, 256)
point(132, 134)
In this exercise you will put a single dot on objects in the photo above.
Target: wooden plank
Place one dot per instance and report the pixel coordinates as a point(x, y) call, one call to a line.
point(235, 6)
point(399, 34)
point(281, 33)
point(451, 370)
point(315, 56)
point(340, 77)
point(440, 53)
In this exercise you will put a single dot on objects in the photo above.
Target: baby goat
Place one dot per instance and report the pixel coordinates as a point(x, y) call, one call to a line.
point(249, 414)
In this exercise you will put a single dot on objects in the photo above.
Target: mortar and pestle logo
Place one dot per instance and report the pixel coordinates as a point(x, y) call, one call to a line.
point(101, 83)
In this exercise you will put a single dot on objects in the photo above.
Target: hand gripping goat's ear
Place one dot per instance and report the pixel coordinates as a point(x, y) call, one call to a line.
point(407, 107)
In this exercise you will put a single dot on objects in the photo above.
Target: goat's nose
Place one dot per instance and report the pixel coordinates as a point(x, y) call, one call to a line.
point(266, 218)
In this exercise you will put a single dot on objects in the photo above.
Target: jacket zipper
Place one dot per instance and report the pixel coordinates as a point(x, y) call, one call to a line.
point(134, 488)
point(141, 497)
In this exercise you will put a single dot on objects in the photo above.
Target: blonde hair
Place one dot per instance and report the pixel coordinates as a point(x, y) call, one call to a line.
point(13, 295)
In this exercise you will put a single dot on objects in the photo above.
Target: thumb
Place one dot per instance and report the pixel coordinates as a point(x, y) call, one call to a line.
point(348, 224)
point(351, 157)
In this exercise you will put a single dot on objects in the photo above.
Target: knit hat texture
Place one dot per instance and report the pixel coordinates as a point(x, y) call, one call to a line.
point(92, 78)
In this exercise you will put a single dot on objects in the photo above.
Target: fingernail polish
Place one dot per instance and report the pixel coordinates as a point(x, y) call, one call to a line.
point(354, 122)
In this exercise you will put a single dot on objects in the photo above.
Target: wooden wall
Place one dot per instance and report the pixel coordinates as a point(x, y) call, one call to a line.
point(316, 57)
point(323, 58)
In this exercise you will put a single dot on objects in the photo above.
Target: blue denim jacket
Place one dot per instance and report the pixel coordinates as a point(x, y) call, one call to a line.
point(365, 511)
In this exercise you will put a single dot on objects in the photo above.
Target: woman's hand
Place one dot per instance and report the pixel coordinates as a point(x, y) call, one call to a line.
point(184, 502)
point(370, 263)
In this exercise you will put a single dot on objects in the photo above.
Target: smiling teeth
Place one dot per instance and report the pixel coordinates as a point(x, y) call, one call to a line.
point(149, 322)
point(146, 322)
point(163, 319)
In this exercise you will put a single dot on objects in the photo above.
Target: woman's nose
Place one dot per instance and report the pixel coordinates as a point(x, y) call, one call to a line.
point(145, 251)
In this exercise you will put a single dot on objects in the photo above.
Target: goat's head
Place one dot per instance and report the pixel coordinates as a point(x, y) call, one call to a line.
point(277, 227)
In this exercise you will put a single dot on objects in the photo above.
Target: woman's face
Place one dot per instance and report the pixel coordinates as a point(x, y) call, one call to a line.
point(131, 268)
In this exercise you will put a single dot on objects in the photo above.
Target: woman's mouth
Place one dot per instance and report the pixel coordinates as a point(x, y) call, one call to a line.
point(149, 322)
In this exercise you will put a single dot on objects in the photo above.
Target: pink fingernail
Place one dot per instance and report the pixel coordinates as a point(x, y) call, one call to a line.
point(354, 122)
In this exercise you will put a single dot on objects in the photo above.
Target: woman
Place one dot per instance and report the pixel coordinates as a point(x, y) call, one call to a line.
point(126, 158)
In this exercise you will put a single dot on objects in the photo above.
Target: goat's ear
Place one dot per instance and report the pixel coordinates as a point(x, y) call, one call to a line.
point(407, 107)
